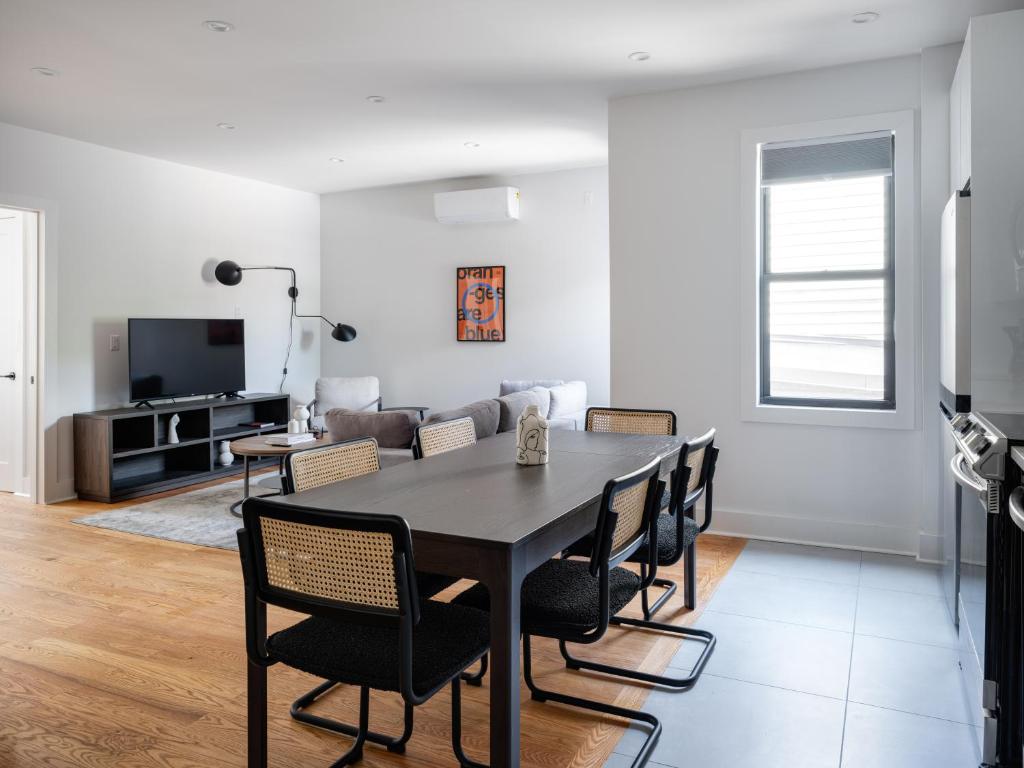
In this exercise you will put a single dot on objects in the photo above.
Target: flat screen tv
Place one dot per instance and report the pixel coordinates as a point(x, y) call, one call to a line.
point(180, 358)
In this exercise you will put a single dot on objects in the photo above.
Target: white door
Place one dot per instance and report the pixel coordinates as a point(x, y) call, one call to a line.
point(12, 334)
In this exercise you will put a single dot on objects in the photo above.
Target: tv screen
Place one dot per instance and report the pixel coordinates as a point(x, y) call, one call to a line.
point(179, 358)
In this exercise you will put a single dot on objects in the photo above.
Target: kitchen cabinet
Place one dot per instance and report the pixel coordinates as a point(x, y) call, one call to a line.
point(960, 121)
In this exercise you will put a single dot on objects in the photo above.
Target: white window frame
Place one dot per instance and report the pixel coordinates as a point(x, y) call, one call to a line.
point(905, 318)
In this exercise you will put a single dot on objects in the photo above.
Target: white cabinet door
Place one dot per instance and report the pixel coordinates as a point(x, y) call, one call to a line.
point(955, 105)
point(964, 70)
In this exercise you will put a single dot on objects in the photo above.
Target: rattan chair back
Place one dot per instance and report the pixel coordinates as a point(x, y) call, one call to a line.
point(631, 421)
point(326, 562)
point(443, 436)
point(322, 466)
point(694, 470)
point(629, 509)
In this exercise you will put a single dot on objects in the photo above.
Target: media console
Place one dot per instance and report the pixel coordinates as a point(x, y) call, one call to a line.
point(123, 452)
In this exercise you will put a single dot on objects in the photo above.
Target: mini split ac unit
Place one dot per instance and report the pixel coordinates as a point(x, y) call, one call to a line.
point(477, 205)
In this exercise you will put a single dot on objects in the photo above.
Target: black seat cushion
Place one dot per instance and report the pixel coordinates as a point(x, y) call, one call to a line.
point(667, 552)
point(429, 584)
point(563, 594)
point(447, 639)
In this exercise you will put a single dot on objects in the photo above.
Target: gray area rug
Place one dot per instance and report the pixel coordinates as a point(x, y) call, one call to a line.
point(200, 517)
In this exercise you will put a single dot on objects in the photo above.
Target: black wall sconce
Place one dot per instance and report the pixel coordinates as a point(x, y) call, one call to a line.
point(230, 273)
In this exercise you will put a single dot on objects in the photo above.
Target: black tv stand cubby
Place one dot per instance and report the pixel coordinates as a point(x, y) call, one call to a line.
point(123, 452)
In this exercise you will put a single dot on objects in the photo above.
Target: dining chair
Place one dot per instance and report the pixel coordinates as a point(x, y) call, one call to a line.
point(676, 534)
point(443, 436)
point(315, 467)
point(352, 575)
point(574, 600)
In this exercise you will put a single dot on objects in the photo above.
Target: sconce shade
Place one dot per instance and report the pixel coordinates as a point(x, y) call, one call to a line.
point(343, 332)
point(228, 273)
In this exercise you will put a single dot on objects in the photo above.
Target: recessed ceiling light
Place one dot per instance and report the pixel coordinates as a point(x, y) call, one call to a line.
point(865, 18)
point(336, 159)
point(376, 99)
point(639, 56)
point(226, 126)
point(45, 71)
point(471, 145)
point(215, 25)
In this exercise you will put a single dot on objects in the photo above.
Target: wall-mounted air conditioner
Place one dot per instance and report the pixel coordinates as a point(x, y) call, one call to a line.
point(477, 205)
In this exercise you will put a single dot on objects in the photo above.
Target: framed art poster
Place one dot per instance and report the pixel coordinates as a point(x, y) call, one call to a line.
point(480, 304)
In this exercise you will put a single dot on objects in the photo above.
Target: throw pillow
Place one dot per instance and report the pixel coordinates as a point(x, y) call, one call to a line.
point(391, 429)
point(512, 406)
point(568, 399)
point(484, 414)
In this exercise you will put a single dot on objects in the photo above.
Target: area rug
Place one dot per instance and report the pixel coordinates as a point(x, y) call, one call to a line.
point(200, 517)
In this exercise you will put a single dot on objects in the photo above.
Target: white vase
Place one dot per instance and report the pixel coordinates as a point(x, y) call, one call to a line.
point(172, 429)
point(301, 415)
point(531, 437)
point(226, 458)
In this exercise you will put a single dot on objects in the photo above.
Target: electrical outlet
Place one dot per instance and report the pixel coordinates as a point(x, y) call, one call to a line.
point(115, 342)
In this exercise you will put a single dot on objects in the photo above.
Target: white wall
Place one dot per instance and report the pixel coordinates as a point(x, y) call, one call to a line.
point(674, 167)
point(129, 236)
point(388, 268)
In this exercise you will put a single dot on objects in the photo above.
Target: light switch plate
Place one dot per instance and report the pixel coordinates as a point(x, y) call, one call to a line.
point(115, 342)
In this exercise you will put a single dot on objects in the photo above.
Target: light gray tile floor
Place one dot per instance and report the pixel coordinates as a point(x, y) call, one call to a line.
point(825, 657)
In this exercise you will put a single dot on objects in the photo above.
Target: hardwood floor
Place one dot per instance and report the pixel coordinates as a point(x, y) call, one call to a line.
point(121, 650)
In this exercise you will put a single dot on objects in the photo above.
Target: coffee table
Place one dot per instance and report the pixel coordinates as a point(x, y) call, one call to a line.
point(257, 447)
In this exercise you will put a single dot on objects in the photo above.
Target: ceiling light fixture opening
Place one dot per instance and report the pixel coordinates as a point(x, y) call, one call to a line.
point(376, 99)
point(471, 145)
point(45, 71)
point(336, 159)
point(865, 18)
point(215, 25)
point(226, 126)
point(639, 56)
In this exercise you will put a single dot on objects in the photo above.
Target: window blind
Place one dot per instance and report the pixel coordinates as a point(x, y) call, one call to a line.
point(861, 155)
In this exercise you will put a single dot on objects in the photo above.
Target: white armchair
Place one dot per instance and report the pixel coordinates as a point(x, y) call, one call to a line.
point(357, 393)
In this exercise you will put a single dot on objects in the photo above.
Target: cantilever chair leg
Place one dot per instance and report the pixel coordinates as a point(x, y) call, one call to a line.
point(476, 679)
point(360, 733)
point(539, 694)
point(681, 683)
point(460, 755)
point(690, 594)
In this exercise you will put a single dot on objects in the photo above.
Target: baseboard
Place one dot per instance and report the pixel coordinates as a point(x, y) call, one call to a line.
point(929, 550)
point(823, 533)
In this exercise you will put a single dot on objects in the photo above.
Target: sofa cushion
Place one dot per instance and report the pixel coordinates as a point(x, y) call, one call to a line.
point(512, 406)
point(484, 413)
point(568, 399)
point(508, 386)
point(392, 429)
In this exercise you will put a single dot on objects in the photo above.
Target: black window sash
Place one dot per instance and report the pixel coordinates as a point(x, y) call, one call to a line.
point(887, 274)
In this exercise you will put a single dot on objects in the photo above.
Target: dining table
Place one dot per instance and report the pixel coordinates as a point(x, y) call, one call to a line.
point(475, 513)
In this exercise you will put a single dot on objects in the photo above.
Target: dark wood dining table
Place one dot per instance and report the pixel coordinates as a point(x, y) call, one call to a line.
point(476, 514)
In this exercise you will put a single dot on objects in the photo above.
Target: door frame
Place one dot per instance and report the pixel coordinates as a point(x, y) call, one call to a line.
point(32, 307)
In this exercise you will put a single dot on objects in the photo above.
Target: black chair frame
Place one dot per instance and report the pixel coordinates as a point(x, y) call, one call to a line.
point(602, 560)
point(259, 593)
point(680, 503)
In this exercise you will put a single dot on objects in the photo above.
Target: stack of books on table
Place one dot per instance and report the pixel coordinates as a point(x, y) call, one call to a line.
point(290, 439)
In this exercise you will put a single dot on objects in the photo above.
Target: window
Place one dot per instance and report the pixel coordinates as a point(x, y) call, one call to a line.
point(827, 272)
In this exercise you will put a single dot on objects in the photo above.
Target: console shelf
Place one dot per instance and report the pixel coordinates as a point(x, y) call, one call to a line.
point(123, 452)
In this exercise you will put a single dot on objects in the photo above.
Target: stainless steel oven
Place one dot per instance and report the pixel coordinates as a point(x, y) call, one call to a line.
point(989, 552)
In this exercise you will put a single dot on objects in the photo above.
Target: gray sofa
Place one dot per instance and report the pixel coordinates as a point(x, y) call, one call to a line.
point(564, 404)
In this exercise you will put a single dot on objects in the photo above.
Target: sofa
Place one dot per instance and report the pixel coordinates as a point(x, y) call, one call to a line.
point(563, 404)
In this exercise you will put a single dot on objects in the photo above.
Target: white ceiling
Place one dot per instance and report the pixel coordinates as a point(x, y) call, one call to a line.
point(528, 80)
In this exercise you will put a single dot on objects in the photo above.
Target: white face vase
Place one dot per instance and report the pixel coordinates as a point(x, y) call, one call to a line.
point(531, 438)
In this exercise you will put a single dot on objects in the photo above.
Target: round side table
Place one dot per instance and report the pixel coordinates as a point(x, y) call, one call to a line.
point(257, 447)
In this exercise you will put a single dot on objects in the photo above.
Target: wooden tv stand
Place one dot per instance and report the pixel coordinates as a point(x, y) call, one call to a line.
point(123, 452)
